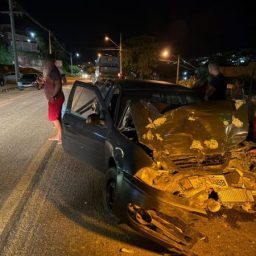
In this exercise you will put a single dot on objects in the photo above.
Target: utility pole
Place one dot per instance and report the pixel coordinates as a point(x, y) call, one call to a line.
point(120, 55)
point(16, 66)
point(50, 42)
point(178, 69)
point(71, 63)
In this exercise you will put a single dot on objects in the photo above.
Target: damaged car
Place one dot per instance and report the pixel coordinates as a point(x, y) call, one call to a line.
point(169, 160)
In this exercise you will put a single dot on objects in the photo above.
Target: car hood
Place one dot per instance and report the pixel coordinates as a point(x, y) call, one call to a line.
point(201, 129)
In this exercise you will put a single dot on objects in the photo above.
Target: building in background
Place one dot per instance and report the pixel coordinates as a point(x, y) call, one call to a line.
point(27, 47)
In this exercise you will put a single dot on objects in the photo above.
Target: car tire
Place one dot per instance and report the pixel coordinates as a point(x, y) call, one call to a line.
point(109, 190)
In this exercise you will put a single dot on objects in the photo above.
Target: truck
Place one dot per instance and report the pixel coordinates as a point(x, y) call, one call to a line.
point(106, 67)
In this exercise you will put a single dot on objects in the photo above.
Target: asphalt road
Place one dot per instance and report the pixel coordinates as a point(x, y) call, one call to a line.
point(50, 203)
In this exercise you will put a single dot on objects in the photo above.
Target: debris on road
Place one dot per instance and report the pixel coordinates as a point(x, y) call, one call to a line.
point(127, 250)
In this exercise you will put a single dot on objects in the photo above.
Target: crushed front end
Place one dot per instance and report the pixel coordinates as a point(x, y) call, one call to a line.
point(202, 164)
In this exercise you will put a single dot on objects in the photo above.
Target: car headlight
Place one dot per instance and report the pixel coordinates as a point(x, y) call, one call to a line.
point(85, 76)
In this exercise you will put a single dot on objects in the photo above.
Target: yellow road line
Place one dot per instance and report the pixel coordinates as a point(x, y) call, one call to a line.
point(9, 206)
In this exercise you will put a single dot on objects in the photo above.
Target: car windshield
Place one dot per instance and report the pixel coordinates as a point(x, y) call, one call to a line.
point(163, 101)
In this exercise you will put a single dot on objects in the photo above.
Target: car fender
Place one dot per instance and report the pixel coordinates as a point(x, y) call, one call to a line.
point(128, 156)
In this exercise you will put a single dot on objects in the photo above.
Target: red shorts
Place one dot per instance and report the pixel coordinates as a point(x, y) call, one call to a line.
point(54, 108)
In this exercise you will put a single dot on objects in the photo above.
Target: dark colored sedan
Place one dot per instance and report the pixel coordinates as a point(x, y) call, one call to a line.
point(168, 159)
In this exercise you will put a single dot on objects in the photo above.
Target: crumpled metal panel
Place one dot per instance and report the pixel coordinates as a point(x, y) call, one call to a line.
point(207, 128)
point(200, 153)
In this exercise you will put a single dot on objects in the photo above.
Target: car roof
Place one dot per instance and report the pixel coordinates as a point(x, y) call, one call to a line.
point(152, 85)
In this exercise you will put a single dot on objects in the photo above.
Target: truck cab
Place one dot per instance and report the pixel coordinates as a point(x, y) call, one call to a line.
point(106, 67)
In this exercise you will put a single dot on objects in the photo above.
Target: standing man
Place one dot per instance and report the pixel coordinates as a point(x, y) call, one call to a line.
point(217, 86)
point(52, 84)
point(201, 83)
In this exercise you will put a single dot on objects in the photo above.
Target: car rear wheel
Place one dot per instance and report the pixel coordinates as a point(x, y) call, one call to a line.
point(109, 190)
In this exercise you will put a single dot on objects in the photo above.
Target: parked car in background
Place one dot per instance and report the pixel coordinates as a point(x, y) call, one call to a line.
point(28, 80)
point(1, 80)
point(9, 77)
point(169, 160)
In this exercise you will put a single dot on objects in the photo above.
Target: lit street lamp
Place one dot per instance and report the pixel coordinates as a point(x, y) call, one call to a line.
point(165, 53)
point(119, 48)
point(32, 34)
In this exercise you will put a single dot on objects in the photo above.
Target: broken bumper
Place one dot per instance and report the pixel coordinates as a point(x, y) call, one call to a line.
point(156, 215)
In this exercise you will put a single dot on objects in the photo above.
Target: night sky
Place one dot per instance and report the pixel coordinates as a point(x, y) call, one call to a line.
point(191, 28)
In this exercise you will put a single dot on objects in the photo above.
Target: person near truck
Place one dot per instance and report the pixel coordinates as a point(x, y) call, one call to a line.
point(217, 85)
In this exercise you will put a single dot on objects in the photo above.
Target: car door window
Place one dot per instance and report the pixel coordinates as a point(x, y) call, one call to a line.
point(85, 104)
point(126, 123)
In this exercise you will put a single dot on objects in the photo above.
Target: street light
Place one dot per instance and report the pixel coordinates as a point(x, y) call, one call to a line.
point(166, 54)
point(119, 48)
point(32, 34)
point(71, 60)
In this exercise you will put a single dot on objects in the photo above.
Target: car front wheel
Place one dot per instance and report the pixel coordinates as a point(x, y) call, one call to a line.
point(109, 190)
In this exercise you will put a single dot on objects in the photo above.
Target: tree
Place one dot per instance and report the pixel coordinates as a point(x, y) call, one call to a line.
point(5, 54)
point(140, 55)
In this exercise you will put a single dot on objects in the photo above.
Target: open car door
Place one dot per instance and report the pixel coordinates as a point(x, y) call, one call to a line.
point(86, 123)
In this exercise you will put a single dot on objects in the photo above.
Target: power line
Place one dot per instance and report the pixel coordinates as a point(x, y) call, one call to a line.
point(54, 37)
point(30, 17)
point(186, 62)
point(41, 26)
